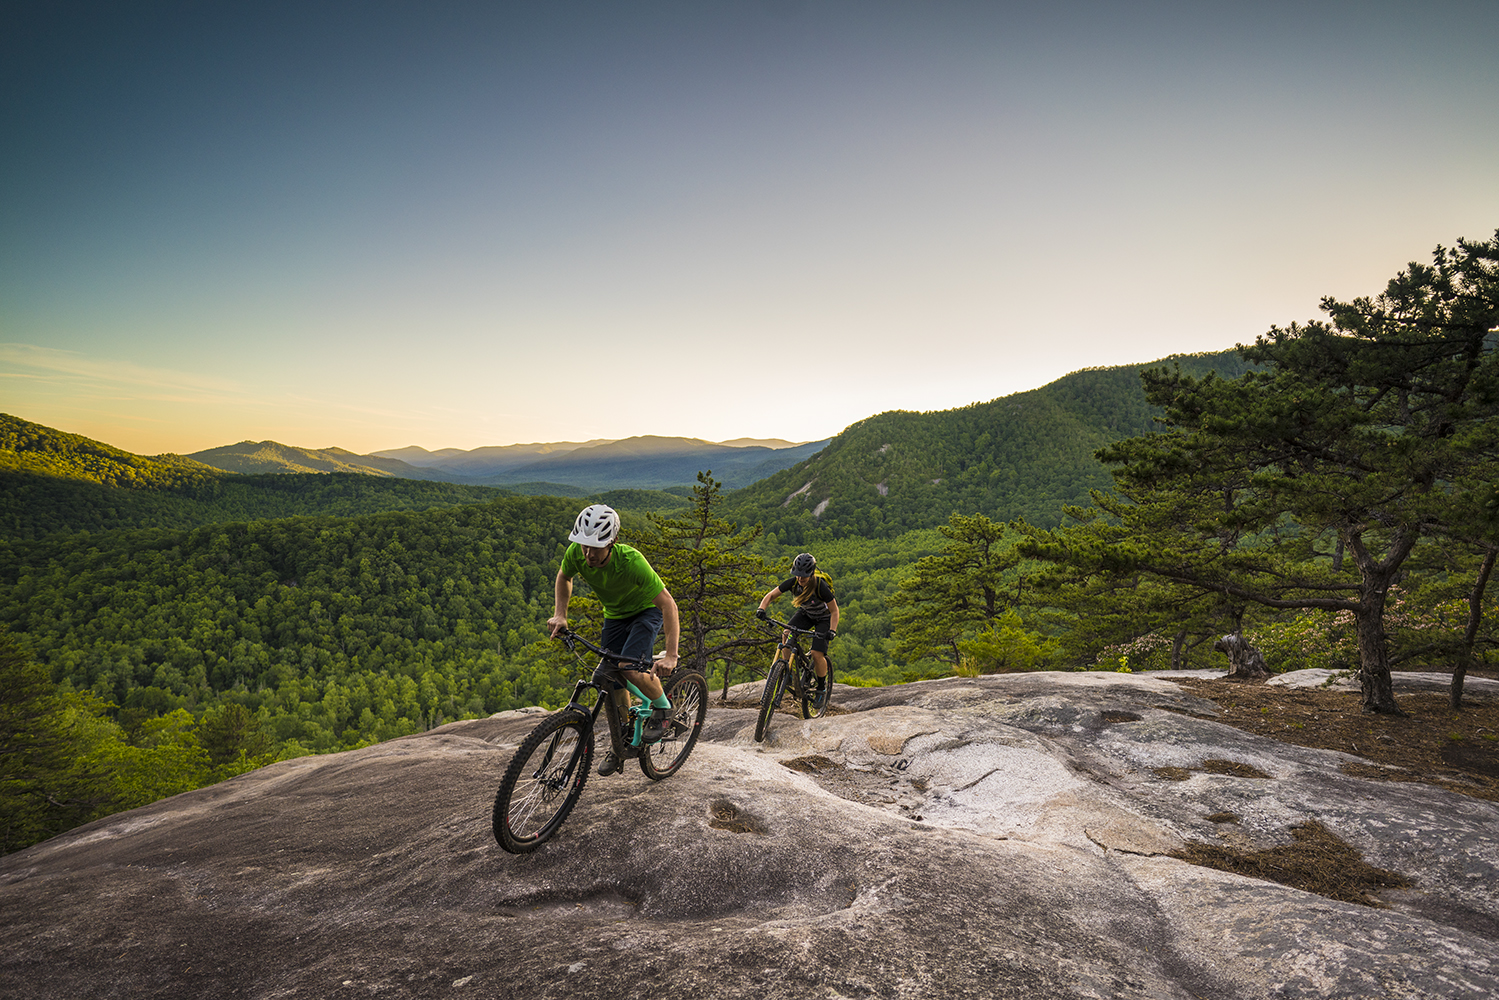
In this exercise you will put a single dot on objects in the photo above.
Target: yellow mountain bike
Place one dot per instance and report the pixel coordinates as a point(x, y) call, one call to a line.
point(792, 671)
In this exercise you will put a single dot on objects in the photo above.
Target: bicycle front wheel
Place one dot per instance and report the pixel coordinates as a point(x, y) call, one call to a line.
point(770, 698)
point(688, 694)
point(543, 782)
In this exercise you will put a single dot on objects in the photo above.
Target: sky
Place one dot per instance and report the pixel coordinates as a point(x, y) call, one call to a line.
point(376, 224)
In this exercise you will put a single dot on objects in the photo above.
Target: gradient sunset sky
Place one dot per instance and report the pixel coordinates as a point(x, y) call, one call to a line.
point(374, 224)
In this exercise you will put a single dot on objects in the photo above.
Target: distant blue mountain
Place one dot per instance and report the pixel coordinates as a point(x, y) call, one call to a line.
point(654, 463)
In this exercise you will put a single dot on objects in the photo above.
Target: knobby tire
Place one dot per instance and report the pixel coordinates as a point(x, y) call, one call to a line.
point(543, 782)
point(688, 694)
point(770, 698)
point(810, 708)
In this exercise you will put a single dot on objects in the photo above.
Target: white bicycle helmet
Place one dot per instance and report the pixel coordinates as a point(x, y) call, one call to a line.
point(596, 526)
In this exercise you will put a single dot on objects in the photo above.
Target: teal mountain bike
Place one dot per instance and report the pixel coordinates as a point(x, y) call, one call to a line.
point(547, 774)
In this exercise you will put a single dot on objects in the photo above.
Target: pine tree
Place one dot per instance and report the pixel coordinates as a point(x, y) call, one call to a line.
point(707, 563)
point(44, 789)
point(1359, 436)
point(954, 595)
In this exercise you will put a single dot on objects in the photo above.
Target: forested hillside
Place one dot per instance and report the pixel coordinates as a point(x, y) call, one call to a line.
point(1026, 455)
point(34, 448)
point(52, 481)
point(335, 630)
point(251, 457)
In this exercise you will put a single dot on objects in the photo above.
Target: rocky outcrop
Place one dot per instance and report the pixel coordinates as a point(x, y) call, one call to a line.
point(1006, 836)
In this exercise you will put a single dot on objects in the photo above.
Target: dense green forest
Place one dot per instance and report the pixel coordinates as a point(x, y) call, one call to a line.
point(1027, 455)
point(278, 614)
point(342, 629)
point(181, 657)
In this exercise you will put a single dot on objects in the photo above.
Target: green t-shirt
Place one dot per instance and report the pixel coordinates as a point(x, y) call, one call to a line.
point(625, 585)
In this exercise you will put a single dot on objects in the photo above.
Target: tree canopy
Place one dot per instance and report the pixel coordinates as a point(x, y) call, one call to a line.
point(1309, 481)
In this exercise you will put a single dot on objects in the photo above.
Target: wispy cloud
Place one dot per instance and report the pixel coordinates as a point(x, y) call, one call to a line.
point(109, 377)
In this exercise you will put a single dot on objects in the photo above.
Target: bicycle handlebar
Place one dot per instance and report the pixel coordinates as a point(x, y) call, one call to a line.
point(794, 628)
point(569, 636)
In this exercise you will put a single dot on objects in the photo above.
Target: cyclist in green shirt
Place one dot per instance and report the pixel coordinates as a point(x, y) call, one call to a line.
point(636, 607)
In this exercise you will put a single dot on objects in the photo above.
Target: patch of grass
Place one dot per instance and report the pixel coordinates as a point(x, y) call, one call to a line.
point(812, 764)
point(1234, 768)
point(724, 815)
point(1213, 766)
point(1315, 860)
point(1417, 747)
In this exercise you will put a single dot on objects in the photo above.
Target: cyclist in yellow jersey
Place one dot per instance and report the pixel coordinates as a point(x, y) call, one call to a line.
point(816, 608)
point(636, 607)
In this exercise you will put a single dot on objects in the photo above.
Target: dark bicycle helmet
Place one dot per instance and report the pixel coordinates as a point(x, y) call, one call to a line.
point(803, 565)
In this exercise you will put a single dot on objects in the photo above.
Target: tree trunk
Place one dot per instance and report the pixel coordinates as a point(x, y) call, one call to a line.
point(1374, 656)
point(1470, 635)
point(1245, 663)
point(1375, 579)
point(1178, 660)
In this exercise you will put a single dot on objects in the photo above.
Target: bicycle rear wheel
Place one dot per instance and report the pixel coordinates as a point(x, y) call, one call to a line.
point(770, 698)
point(811, 707)
point(688, 694)
point(543, 782)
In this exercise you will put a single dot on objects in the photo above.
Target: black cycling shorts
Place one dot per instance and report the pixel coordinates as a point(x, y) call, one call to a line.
point(803, 620)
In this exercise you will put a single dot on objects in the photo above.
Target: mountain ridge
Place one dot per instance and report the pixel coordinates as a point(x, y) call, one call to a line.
point(1029, 454)
point(456, 460)
point(252, 457)
point(638, 462)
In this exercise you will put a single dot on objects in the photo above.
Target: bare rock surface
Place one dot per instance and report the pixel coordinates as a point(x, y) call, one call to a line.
point(1004, 836)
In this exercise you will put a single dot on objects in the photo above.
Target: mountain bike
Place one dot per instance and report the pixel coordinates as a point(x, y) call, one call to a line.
point(547, 774)
point(792, 670)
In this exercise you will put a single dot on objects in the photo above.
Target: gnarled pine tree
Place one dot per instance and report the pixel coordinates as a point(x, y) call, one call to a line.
point(1358, 436)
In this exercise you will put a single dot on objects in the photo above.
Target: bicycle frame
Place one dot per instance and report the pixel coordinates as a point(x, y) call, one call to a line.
point(791, 640)
point(551, 765)
point(605, 682)
point(795, 669)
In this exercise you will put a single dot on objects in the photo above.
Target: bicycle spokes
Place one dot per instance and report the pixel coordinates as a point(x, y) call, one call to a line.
point(546, 759)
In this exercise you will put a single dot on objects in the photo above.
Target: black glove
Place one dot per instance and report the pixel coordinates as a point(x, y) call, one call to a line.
point(760, 614)
point(827, 634)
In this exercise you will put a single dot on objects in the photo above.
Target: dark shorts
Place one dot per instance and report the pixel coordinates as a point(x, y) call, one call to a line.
point(633, 637)
point(803, 620)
